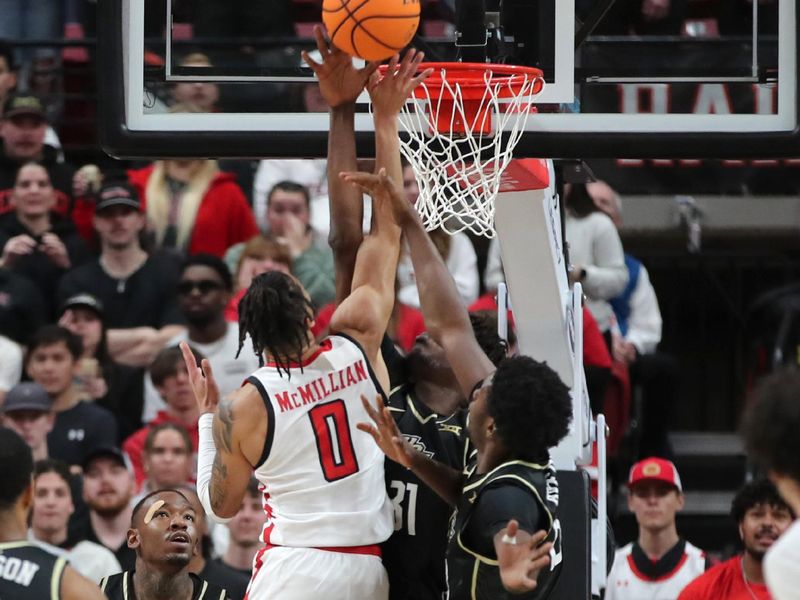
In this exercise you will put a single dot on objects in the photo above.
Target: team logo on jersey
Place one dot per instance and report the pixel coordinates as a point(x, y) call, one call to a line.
point(418, 444)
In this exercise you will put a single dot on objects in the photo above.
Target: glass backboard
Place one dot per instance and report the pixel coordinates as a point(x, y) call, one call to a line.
point(712, 85)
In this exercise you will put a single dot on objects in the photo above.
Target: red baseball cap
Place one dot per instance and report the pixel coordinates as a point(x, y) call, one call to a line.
point(655, 469)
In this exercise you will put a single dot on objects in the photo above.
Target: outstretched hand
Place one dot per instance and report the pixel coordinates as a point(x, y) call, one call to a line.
point(520, 557)
point(340, 82)
point(385, 432)
point(204, 386)
point(390, 91)
point(383, 188)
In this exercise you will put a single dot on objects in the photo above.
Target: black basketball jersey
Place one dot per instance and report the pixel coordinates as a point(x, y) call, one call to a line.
point(472, 576)
point(29, 571)
point(120, 587)
point(414, 554)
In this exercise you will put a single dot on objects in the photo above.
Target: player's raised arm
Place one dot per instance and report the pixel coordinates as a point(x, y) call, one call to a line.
point(232, 431)
point(446, 317)
point(340, 84)
point(365, 313)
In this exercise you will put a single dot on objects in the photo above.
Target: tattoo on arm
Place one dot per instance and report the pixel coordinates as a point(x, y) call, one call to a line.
point(223, 426)
point(219, 473)
point(223, 440)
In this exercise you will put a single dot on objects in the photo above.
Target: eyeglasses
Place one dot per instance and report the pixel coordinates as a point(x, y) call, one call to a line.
point(204, 286)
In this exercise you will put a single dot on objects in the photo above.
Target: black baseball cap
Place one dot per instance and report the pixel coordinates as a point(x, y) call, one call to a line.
point(18, 105)
point(27, 396)
point(118, 194)
point(104, 452)
point(83, 301)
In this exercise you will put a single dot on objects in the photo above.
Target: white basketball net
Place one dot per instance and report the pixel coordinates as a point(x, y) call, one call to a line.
point(458, 169)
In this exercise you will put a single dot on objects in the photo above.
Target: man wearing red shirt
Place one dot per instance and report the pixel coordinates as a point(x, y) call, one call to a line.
point(762, 516)
point(169, 376)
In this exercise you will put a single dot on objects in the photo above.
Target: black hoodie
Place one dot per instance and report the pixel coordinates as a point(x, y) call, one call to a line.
point(37, 267)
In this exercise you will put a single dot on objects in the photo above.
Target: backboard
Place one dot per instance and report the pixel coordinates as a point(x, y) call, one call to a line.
point(720, 85)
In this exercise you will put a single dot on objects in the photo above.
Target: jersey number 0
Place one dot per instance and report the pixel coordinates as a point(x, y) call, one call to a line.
point(337, 457)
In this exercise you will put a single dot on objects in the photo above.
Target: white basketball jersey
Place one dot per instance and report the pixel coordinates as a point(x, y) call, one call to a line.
point(626, 582)
point(323, 479)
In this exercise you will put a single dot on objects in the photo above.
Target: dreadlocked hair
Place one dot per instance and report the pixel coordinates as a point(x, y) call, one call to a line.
point(274, 313)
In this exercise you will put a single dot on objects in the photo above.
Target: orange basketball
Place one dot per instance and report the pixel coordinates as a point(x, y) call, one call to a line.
point(371, 29)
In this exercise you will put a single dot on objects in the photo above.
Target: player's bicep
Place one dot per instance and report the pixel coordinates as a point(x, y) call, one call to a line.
point(362, 317)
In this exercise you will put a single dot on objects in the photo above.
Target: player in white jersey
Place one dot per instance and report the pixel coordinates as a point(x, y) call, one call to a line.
point(293, 422)
point(659, 564)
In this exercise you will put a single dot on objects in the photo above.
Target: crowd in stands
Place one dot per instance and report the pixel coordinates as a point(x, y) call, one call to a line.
point(102, 274)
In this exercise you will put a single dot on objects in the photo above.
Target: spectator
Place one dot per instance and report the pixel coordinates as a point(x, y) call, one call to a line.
point(167, 458)
point(192, 207)
point(456, 250)
point(259, 255)
point(52, 508)
point(762, 517)
point(23, 128)
point(137, 290)
point(635, 337)
point(212, 571)
point(8, 71)
point(310, 173)
point(771, 427)
point(80, 425)
point(168, 374)
point(659, 563)
point(35, 241)
point(245, 529)
point(10, 366)
point(9, 78)
point(289, 216)
point(22, 308)
point(28, 410)
point(204, 291)
point(638, 17)
point(117, 388)
point(200, 94)
point(595, 253)
point(108, 490)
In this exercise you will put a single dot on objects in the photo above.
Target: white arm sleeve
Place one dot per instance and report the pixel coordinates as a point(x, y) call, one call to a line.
point(206, 451)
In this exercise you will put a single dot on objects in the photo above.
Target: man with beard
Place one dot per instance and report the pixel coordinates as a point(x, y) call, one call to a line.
point(204, 290)
point(163, 534)
point(107, 491)
point(762, 516)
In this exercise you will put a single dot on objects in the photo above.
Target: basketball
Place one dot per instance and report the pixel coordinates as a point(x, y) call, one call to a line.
point(371, 29)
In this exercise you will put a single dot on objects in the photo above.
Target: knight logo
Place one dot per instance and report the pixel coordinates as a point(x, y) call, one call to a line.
point(418, 444)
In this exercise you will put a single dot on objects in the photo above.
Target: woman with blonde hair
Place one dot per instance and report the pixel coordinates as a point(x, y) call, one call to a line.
point(192, 207)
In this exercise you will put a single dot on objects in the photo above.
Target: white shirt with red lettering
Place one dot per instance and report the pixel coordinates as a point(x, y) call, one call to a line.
point(322, 478)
